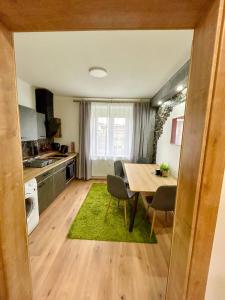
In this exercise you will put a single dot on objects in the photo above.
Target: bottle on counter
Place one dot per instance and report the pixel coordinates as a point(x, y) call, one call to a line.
point(72, 147)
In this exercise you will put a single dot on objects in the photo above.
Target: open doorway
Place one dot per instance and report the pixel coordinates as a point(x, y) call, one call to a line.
point(143, 67)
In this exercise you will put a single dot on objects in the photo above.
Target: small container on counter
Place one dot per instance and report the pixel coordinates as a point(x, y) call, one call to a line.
point(72, 147)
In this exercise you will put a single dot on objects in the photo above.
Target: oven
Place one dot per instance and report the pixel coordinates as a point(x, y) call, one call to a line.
point(70, 170)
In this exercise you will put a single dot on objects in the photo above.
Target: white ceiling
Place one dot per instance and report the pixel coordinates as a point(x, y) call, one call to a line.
point(138, 62)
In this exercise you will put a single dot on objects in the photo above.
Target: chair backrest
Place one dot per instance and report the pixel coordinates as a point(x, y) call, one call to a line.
point(118, 168)
point(143, 160)
point(116, 187)
point(164, 198)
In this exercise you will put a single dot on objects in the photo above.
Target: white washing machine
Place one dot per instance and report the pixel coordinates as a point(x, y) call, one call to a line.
point(31, 203)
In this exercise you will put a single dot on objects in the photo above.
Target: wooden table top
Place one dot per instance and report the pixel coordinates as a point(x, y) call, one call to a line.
point(142, 178)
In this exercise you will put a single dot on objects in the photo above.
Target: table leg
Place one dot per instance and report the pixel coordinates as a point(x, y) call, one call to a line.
point(133, 212)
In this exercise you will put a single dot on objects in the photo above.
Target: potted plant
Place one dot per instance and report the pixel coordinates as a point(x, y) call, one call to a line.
point(164, 168)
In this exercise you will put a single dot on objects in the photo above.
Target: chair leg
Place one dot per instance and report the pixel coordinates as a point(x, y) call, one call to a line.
point(108, 207)
point(125, 212)
point(153, 222)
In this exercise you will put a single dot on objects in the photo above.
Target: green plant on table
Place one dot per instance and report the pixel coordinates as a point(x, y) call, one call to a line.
point(164, 167)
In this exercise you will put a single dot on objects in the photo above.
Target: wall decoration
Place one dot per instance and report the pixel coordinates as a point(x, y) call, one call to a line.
point(177, 130)
point(162, 115)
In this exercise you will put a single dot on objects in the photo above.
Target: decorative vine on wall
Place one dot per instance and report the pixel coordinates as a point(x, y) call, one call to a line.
point(162, 115)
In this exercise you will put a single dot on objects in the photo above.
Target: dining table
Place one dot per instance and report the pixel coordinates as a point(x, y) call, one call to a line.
point(142, 178)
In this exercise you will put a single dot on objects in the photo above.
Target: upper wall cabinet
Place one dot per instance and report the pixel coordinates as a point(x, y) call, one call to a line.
point(41, 126)
point(28, 123)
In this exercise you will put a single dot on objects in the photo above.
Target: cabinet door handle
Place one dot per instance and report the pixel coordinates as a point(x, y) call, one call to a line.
point(60, 171)
point(41, 184)
point(46, 174)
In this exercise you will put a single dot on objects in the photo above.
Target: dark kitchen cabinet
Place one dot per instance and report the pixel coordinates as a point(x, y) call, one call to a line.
point(41, 126)
point(28, 123)
point(59, 181)
point(50, 185)
point(45, 193)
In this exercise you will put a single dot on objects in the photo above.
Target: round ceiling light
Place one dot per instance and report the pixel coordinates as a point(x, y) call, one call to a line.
point(98, 72)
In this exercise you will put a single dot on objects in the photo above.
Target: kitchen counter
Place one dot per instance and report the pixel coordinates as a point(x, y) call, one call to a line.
point(29, 173)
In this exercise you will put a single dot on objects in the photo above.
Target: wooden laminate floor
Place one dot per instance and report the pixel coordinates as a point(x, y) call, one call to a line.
point(64, 269)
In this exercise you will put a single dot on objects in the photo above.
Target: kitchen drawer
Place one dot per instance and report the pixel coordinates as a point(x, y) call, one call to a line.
point(45, 193)
point(62, 165)
point(59, 181)
point(44, 175)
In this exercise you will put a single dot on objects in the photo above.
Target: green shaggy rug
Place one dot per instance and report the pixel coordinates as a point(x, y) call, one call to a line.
point(90, 222)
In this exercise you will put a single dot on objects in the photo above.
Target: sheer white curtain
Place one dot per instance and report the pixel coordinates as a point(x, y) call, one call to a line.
point(111, 131)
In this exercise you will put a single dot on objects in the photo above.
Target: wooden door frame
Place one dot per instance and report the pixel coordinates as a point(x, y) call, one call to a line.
point(202, 158)
point(198, 196)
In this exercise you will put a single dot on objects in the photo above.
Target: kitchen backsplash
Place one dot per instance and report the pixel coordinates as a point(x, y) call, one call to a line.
point(34, 148)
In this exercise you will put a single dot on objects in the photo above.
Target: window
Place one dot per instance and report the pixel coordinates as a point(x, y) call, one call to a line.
point(111, 130)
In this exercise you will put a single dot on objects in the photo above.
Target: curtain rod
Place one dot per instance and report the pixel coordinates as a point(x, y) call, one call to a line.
point(110, 100)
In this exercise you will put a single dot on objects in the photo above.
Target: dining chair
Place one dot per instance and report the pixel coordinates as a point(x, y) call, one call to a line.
point(118, 170)
point(143, 160)
point(118, 190)
point(163, 200)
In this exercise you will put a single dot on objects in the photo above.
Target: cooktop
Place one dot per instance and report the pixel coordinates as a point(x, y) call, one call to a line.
point(38, 162)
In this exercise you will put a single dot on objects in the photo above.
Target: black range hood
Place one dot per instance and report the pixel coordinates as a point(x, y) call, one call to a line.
point(44, 105)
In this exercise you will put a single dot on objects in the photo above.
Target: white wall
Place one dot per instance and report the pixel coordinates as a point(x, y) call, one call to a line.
point(26, 94)
point(101, 168)
point(68, 112)
point(215, 289)
point(167, 152)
